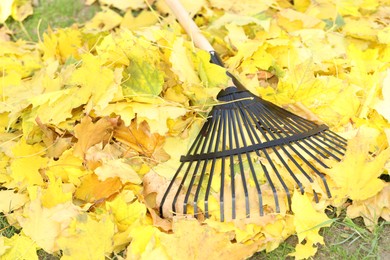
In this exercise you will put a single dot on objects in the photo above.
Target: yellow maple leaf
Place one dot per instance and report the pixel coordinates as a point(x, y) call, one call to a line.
point(44, 225)
point(124, 109)
point(97, 83)
point(25, 176)
point(348, 7)
point(68, 167)
point(104, 21)
point(304, 251)
point(366, 30)
point(356, 176)
point(62, 44)
point(10, 200)
point(144, 243)
point(157, 115)
point(203, 242)
point(307, 222)
point(212, 75)
point(110, 50)
point(55, 193)
point(372, 208)
point(125, 211)
point(19, 246)
point(87, 238)
point(118, 168)
point(182, 63)
point(144, 19)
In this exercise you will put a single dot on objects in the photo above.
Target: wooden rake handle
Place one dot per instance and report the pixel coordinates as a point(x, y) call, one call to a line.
point(189, 25)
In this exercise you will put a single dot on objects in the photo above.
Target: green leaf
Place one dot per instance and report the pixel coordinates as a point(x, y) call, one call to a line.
point(143, 78)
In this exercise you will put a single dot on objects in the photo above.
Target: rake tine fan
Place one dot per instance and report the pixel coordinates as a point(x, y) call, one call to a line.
point(241, 150)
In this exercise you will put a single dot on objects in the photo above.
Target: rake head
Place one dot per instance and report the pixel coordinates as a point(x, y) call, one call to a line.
point(238, 157)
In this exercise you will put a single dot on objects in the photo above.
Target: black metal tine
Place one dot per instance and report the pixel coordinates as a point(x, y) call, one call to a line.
point(209, 149)
point(181, 186)
point(216, 148)
point(208, 188)
point(237, 126)
point(311, 166)
point(336, 136)
point(222, 187)
point(249, 130)
point(299, 126)
point(268, 177)
point(324, 154)
point(232, 181)
point(330, 139)
point(283, 113)
point(289, 127)
point(275, 129)
point(198, 188)
point(243, 179)
point(210, 127)
point(169, 189)
point(189, 188)
point(317, 138)
point(257, 122)
point(277, 125)
point(196, 144)
point(265, 120)
point(300, 122)
point(306, 162)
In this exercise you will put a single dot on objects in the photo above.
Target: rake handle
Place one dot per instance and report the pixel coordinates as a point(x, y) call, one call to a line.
point(189, 25)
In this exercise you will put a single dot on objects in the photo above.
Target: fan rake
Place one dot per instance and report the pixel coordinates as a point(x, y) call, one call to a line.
point(241, 149)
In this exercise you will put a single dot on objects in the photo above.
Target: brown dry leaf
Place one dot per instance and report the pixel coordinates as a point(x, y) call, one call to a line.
point(191, 240)
point(95, 191)
point(54, 143)
point(140, 140)
point(89, 133)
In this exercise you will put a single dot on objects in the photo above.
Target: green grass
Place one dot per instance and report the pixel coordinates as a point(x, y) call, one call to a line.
point(344, 239)
point(279, 253)
point(5, 228)
point(53, 13)
point(349, 239)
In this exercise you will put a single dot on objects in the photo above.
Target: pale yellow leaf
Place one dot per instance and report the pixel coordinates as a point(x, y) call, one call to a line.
point(118, 168)
point(182, 64)
point(45, 225)
point(87, 238)
point(356, 176)
point(383, 106)
point(10, 200)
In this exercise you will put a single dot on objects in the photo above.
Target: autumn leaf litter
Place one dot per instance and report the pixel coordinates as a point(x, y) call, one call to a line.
point(94, 119)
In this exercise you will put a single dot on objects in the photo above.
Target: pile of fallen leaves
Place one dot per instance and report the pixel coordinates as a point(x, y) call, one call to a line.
point(93, 116)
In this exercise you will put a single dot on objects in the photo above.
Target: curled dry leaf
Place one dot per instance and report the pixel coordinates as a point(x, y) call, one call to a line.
point(140, 140)
point(89, 133)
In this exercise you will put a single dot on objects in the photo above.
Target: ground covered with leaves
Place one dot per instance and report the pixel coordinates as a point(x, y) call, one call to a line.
point(95, 116)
